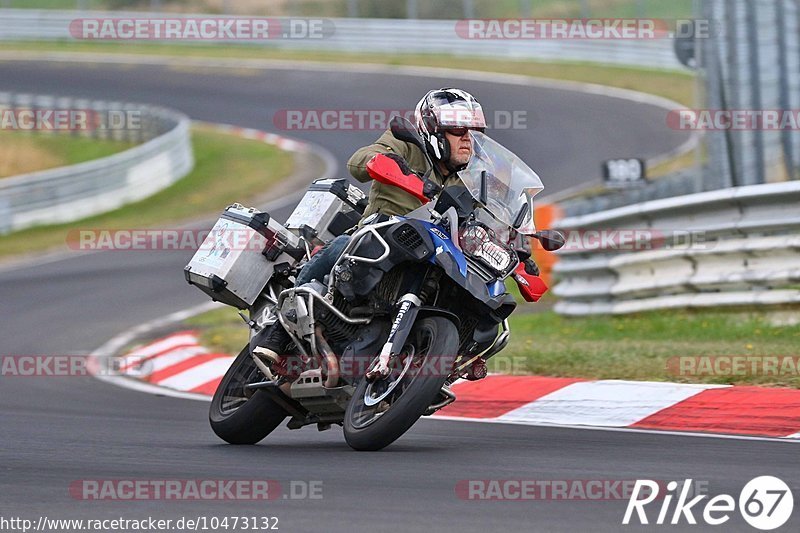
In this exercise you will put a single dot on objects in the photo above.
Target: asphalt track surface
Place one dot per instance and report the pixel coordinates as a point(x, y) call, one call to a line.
point(56, 431)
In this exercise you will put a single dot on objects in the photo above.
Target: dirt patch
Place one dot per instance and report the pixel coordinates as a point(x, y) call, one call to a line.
point(22, 154)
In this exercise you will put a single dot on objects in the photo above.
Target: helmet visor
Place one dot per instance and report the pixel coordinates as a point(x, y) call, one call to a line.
point(458, 114)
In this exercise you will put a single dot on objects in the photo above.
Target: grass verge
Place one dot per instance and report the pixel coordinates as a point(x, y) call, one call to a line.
point(228, 169)
point(221, 330)
point(647, 346)
point(22, 152)
point(641, 347)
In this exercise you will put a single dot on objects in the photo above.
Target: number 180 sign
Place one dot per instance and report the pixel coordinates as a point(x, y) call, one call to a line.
point(624, 172)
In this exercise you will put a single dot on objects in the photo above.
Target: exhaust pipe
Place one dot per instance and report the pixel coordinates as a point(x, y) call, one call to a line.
point(330, 360)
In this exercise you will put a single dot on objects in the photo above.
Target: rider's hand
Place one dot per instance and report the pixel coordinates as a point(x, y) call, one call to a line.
point(430, 188)
point(532, 268)
point(402, 163)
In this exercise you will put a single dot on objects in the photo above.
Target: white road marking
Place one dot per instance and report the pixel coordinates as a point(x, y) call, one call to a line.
point(169, 359)
point(164, 344)
point(603, 403)
point(198, 375)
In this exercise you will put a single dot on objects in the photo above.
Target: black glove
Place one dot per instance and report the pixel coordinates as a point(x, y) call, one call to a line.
point(402, 163)
point(430, 188)
point(531, 268)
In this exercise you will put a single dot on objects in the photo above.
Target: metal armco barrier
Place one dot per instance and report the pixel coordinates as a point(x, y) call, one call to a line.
point(736, 246)
point(78, 191)
point(382, 36)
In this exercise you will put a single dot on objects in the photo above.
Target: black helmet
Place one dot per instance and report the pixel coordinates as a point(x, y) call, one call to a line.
point(445, 109)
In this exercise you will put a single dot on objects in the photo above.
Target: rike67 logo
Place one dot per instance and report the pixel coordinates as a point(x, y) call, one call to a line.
point(765, 503)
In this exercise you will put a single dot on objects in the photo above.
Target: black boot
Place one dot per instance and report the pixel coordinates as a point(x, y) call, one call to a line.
point(272, 342)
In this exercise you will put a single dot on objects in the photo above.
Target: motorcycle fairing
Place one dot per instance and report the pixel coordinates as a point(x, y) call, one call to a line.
point(412, 240)
point(497, 288)
point(444, 244)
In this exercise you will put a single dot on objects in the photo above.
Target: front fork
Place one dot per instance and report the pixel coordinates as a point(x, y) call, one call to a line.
point(397, 336)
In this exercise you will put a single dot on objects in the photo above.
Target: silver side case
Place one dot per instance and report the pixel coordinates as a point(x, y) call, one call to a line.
point(230, 267)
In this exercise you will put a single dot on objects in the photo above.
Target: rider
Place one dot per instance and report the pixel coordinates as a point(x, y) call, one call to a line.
point(443, 118)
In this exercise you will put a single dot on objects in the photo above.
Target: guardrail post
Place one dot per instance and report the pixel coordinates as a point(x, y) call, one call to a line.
point(117, 132)
point(65, 103)
point(21, 101)
point(352, 9)
point(148, 125)
point(133, 131)
point(411, 9)
point(43, 104)
point(796, 64)
point(5, 216)
point(732, 87)
point(783, 22)
point(719, 172)
point(758, 173)
point(468, 9)
point(85, 106)
point(99, 112)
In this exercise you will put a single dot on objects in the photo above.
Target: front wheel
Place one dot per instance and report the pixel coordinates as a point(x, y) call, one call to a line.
point(382, 410)
point(239, 415)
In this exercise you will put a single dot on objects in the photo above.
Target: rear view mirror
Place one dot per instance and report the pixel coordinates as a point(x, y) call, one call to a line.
point(551, 240)
point(404, 130)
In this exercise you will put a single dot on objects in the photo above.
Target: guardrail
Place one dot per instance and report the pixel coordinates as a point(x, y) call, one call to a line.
point(738, 246)
point(74, 192)
point(382, 36)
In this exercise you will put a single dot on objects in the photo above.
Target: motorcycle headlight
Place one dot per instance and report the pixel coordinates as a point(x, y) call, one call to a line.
point(477, 241)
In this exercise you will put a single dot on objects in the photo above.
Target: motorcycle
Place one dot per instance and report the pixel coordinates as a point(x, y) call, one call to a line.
point(412, 304)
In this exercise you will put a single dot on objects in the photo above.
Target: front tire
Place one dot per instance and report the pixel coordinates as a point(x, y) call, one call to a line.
point(432, 345)
point(238, 415)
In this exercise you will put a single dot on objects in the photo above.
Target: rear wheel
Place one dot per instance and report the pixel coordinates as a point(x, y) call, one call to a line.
point(382, 410)
point(239, 415)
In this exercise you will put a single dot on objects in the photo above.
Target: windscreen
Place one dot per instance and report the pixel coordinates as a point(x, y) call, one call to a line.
point(510, 183)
